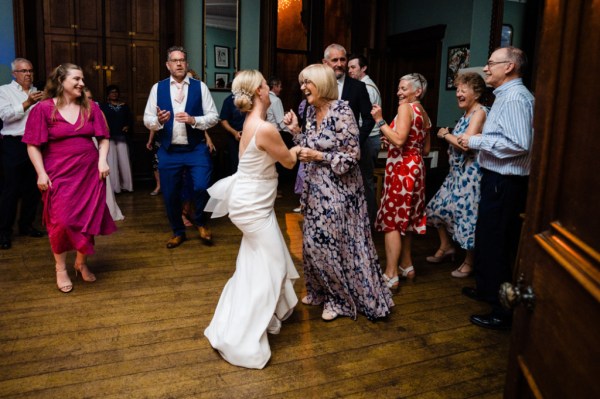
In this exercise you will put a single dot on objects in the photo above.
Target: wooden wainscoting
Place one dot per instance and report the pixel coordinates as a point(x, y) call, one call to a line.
point(137, 332)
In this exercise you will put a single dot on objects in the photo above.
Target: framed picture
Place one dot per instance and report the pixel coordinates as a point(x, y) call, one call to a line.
point(221, 80)
point(221, 57)
point(458, 58)
point(507, 34)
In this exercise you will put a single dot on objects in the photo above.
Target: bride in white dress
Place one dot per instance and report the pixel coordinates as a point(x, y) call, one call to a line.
point(260, 294)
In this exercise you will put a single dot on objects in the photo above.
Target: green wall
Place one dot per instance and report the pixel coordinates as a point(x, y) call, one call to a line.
point(249, 37)
point(7, 44)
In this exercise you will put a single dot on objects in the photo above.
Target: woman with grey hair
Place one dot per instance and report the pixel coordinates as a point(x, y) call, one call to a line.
point(341, 268)
point(402, 208)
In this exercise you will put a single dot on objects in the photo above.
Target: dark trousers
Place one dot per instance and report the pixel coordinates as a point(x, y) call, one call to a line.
point(171, 164)
point(20, 182)
point(497, 232)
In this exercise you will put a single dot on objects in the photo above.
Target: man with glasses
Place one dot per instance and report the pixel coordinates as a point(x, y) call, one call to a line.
point(505, 158)
point(20, 180)
point(180, 108)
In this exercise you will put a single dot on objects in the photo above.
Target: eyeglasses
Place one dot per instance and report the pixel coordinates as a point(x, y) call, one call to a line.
point(24, 70)
point(492, 63)
point(178, 60)
point(305, 82)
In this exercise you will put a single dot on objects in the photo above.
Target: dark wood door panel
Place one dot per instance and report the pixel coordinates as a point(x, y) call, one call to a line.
point(59, 17)
point(118, 19)
point(145, 19)
point(88, 17)
point(59, 49)
point(554, 349)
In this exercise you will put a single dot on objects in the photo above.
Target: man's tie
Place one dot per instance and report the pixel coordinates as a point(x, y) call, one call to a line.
point(179, 96)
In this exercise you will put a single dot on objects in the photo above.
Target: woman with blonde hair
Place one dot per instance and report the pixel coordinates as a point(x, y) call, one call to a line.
point(260, 294)
point(71, 171)
point(341, 268)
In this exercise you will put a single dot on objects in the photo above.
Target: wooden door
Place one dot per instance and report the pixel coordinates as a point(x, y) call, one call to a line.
point(554, 346)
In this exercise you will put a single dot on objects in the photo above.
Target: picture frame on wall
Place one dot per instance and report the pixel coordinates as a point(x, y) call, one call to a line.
point(221, 80)
point(221, 57)
point(506, 36)
point(458, 58)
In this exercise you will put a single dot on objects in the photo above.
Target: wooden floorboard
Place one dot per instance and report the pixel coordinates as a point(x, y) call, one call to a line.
point(138, 331)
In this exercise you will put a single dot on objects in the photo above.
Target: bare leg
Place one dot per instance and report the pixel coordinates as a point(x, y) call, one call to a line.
point(63, 282)
point(445, 242)
point(157, 178)
point(406, 263)
point(81, 266)
point(446, 248)
point(393, 246)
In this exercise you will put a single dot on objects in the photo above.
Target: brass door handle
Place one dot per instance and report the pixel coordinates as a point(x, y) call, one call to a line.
point(512, 295)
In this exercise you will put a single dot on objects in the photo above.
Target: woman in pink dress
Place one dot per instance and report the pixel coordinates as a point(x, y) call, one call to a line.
point(402, 209)
point(71, 171)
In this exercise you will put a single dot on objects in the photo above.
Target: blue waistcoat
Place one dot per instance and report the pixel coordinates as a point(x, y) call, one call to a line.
point(193, 107)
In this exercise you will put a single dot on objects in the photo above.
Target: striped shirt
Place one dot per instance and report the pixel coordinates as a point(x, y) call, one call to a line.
point(505, 144)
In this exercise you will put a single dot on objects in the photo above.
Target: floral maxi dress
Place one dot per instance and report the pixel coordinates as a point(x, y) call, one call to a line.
point(341, 267)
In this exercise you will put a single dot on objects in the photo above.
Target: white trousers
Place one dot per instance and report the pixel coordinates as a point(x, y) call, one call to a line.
point(120, 167)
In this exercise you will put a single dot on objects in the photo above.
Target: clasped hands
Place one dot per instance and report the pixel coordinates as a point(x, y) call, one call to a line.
point(182, 117)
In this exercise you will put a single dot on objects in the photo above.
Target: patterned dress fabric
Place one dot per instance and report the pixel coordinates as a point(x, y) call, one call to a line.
point(341, 267)
point(260, 294)
point(402, 205)
point(75, 207)
point(456, 203)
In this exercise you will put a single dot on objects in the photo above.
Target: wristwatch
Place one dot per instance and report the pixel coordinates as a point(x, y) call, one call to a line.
point(380, 123)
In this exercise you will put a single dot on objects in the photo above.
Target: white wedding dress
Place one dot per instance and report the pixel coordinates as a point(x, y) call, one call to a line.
point(260, 294)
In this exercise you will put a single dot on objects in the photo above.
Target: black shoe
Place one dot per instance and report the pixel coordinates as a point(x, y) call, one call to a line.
point(472, 293)
point(5, 242)
point(31, 232)
point(492, 321)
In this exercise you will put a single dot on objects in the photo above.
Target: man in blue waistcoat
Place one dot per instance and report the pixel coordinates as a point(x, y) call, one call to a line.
point(180, 108)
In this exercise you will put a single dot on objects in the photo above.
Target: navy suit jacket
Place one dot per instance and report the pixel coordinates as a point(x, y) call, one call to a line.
point(355, 92)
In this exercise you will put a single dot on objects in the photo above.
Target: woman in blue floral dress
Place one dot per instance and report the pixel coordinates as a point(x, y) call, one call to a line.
point(453, 209)
point(341, 268)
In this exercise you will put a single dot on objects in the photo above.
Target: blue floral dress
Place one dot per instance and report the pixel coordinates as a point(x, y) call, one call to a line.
point(456, 203)
point(341, 267)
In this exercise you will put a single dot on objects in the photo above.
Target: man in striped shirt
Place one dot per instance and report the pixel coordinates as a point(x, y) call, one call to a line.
point(505, 159)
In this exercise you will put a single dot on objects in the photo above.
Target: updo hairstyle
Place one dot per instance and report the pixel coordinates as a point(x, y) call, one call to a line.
point(244, 88)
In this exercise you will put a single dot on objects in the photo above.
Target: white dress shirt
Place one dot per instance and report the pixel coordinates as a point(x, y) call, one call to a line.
point(210, 118)
point(14, 117)
point(375, 98)
point(275, 112)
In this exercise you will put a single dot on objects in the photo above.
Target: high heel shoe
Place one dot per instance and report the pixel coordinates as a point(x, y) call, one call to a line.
point(392, 283)
point(441, 255)
point(458, 273)
point(408, 273)
point(86, 274)
point(63, 282)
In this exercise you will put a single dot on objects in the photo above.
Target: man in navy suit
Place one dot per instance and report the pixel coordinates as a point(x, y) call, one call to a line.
point(180, 109)
point(355, 92)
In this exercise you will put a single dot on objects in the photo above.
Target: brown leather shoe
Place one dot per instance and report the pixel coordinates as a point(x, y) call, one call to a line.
point(175, 241)
point(205, 235)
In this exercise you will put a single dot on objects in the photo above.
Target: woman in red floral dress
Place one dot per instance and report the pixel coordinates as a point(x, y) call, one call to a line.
point(402, 209)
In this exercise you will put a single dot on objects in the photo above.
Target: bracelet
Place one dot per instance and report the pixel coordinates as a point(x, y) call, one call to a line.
point(444, 135)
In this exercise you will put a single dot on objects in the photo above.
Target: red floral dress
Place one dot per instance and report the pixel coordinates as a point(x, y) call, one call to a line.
point(403, 201)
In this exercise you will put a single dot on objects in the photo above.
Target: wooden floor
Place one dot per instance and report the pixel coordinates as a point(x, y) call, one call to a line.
point(137, 332)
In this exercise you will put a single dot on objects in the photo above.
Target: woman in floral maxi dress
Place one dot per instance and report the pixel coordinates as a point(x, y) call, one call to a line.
point(341, 268)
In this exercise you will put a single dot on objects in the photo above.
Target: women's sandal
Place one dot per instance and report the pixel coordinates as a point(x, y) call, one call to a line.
point(329, 315)
point(86, 274)
point(441, 255)
point(408, 273)
point(63, 282)
point(458, 273)
point(309, 300)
